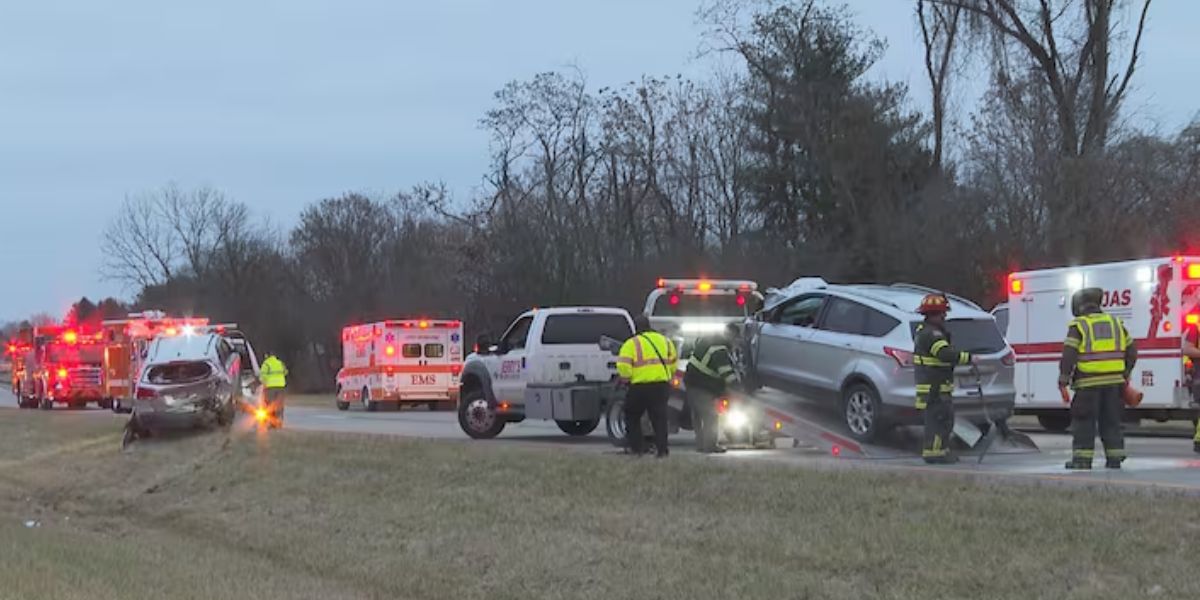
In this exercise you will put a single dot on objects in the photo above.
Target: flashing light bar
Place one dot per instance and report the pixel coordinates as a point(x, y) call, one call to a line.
point(1192, 271)
point(707, 285)
point(1016, 286)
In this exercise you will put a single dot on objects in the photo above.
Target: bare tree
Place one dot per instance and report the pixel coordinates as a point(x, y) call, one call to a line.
point(939, 35)
point(1069, 43)
point(139, 246)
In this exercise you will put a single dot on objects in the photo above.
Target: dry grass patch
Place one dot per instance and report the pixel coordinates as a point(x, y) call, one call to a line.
point(297, 515)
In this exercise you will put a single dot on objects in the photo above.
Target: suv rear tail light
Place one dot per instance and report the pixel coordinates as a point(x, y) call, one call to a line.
point(1009, 359)
point(903, 358)
point(145, 393)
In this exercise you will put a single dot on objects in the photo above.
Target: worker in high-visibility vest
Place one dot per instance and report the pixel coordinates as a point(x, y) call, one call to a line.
point(710, 372)
point(1098, 355)
point(273, 374)
point(1191, 353)
point(647, 362)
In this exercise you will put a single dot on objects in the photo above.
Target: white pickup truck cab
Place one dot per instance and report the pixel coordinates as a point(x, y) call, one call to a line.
point(550, 364)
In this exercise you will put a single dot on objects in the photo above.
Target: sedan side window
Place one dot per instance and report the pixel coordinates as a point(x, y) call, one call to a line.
point(802, 312)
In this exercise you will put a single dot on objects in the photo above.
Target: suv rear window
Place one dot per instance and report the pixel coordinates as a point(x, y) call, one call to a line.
point(978, 336)
point(585, 328)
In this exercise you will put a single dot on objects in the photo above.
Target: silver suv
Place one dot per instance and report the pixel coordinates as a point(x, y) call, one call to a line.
point(853, 345)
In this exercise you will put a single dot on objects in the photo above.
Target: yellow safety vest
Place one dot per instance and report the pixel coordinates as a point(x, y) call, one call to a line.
point(647, 357)
point(273, 373)
point(1102, 345)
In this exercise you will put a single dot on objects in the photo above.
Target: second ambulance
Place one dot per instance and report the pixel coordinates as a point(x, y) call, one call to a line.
point(401, 362)
point(1158, 299)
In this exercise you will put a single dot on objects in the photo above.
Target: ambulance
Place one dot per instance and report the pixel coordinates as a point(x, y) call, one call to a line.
point(1157, 298)
point(401, 362)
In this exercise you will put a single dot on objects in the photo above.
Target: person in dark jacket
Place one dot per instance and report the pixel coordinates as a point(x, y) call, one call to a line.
point(935, 357)
point(709, 374)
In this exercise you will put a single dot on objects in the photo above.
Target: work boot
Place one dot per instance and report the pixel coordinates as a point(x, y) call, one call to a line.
point(719, 450)
point(937, 460)
point(1196, 447)
point(1079, 465)
point(1112, 463)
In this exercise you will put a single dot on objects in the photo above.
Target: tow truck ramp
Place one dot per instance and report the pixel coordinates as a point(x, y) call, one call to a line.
point(815, 428)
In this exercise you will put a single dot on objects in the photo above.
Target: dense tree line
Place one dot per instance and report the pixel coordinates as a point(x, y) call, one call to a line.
point(792, 163)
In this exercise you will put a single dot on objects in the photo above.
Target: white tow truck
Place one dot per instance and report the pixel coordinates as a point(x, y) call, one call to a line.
point(1157, 298)
point(554, 364)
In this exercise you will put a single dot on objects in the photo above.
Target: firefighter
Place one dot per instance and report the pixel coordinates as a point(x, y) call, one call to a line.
point(273, 374)
point(709, 374)
point(1098, 355)
point(647, 362)
point(935, 358)
point(1191, 352)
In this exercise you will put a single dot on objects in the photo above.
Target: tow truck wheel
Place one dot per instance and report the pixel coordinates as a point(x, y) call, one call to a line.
point(106, 403)
point(478, 417)
point(343, 405)
point(368, 404)
point(578, 428)
point(614, 423)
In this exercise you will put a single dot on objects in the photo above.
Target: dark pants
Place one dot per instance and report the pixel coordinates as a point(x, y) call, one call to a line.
point(647, 398)
point(275, 402)
point(1103, 404)
point(703, 404)
point(939, 425)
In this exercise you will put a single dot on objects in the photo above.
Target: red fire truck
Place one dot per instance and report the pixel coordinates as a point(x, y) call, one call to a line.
point(62, 364)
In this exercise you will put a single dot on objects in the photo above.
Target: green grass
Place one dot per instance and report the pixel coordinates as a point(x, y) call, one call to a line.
point(301, 515)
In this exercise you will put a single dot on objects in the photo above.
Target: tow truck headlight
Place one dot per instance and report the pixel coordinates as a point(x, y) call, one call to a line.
point(701, 327)
point(736, 418)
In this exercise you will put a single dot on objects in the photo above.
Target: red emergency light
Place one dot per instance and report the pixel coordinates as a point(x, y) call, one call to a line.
point(1016, 286)
point(70, 336)
point(674, 300)
point(390, 350)
point(1192, 271)
point(1192, 319)
point(423, 324)
point(704, 286)
point(61, 373)
point(741, 300)
point(662, 282)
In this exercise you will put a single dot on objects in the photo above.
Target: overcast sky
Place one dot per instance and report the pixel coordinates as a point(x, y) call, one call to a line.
point(282, 102)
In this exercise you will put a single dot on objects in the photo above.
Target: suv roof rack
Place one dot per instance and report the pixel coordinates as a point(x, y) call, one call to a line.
point(855, 291)
point(929, 290)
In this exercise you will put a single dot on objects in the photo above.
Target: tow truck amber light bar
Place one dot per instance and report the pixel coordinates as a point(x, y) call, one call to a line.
point(708, 285)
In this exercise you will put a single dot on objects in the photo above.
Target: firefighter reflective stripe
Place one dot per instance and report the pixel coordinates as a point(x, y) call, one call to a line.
point(1102, 347)
point(925, 388)
point(1091, 381)
point(1196, 438)
point(938, 346)
point(1083, 453)
point(1114, 453)
point(930, 361)
point(937, 450)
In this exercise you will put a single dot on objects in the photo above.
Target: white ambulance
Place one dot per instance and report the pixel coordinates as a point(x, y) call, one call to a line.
point(401, 362)
point(1157, 298)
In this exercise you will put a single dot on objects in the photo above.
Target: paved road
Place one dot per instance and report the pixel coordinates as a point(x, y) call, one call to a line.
point(1160, 459)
